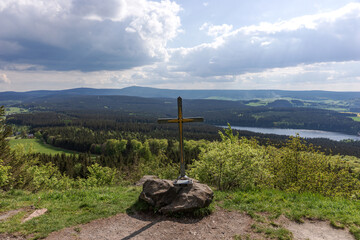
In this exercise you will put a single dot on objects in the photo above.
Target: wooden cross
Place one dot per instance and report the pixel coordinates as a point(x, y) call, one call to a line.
point(183, 179)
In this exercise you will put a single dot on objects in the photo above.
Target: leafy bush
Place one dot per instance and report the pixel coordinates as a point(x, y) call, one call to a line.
point(298, 167)
point(100, 176)
point(44, 177)
point(157, 146)
point(231, 163)
point(4, 174)
point(160, 166)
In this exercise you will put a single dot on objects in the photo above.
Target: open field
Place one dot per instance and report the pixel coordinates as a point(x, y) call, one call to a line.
point(39, 146)
point(13, 110)
point(357, 119)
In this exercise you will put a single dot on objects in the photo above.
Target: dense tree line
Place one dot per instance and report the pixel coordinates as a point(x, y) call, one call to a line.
point(122, 154)
point(82, 130)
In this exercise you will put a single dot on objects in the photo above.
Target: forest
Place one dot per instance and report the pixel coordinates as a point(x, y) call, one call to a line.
point(121, 132)
point(279, 113)
point(82, 123)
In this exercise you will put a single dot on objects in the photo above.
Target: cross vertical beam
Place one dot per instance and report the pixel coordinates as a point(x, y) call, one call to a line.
point(180, 120)
point(181, 136)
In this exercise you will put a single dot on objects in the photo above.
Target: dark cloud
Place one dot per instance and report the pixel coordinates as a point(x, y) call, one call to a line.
point(86, 35)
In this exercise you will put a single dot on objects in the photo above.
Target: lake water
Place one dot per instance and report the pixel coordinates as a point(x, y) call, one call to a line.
point(302, 132)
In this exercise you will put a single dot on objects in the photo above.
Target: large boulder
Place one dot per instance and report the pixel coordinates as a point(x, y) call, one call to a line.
point(144, 179)
point(167, 197)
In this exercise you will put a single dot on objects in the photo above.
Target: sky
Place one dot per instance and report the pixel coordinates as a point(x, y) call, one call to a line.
point(180, 44)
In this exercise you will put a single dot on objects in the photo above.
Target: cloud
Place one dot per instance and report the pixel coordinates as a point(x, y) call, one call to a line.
point(216, 30)
point(86, 35)
point(331, 76)
point(4, 79)
point(325, 37)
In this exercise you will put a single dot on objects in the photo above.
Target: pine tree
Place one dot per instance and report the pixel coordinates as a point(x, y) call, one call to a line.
point(5, 131)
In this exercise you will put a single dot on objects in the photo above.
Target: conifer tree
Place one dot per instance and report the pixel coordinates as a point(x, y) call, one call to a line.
point(5, 131)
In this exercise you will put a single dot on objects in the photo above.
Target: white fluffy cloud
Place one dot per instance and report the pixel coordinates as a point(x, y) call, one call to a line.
point(86, 35)
point(325, 37)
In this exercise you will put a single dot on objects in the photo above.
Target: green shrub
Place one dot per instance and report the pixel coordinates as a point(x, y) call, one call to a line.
point(300, 168)
point(4, 174)
point(100, 176)
point(231, 163)
point(158, 165)
point(42, 177)
point(157, 146)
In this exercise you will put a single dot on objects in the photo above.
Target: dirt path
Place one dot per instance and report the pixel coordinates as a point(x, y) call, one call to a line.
point(316, 230)
point(220, 224)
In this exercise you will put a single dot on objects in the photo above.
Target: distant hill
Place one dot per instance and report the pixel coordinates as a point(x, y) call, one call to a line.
point(148, 92)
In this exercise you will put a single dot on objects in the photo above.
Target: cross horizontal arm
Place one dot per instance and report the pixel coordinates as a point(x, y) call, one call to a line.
point(168, 120)
point(176, 120)
point(195, 119)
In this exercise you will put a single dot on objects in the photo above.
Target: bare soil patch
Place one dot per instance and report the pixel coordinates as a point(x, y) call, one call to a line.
point(9, 214)
point(219, 225)
point(317, 230)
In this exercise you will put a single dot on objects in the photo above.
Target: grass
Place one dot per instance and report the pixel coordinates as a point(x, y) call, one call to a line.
point(295, 206)
point(39, 147)
point(356, 119)
point(272, 232)
point(340, 212)
point(65, 208)
point(13, 110)
point(77, 206)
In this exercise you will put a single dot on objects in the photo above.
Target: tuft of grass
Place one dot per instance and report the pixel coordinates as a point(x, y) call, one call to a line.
point(354, 230)
point(65, 208)
point(242, 237)
point(273, 232)
point(337, 225)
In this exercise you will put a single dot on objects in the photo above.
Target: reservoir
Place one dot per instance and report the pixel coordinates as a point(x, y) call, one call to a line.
point(302, 132)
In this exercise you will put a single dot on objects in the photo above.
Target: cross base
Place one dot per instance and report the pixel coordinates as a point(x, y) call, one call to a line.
point(183, 181)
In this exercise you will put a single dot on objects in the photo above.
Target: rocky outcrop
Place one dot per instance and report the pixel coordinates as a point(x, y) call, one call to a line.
point(167, 197)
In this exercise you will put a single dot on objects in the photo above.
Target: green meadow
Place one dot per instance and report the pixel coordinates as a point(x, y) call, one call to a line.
point(357, 119)
point(13, 110)
point(38, 146)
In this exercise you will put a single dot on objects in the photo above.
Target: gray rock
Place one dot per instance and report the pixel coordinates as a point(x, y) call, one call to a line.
point(144, 179)
point(162, 194)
